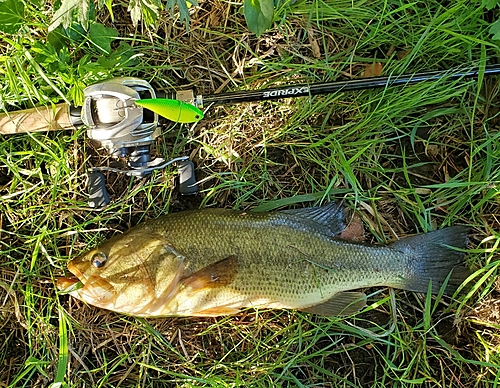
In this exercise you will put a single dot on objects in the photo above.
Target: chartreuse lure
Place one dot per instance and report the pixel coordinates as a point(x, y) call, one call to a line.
point(173, 110)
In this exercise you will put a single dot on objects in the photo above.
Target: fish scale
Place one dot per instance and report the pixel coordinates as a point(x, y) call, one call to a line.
point(217, 261)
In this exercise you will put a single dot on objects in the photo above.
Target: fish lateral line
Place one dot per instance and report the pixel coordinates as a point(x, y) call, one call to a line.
point(314, 263)
point(315, 266)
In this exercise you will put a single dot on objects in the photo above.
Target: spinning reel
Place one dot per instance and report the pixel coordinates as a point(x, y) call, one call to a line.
point(126, 131)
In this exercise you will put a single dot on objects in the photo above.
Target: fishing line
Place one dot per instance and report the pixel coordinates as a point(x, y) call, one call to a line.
point(191, 129)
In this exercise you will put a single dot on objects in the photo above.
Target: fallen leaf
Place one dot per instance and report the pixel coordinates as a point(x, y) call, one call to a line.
point(315, 49)
point(402, 53)
point(432, 150)
point(372, 70)
point(314, 44)
point(355, 231)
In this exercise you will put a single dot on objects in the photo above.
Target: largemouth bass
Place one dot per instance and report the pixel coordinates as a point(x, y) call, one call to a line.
point(215, 261)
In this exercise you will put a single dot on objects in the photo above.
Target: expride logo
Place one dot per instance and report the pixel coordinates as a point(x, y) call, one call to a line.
point(286, 92)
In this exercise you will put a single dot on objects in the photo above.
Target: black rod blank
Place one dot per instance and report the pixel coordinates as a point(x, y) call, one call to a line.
point(350, 85)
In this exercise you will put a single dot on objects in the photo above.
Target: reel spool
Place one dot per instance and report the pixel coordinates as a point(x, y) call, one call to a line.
point(126, 130)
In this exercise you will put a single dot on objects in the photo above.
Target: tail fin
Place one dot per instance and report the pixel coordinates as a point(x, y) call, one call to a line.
point(433, 258)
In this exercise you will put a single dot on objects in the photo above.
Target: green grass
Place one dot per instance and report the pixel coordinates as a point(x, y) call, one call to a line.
point(407, 160)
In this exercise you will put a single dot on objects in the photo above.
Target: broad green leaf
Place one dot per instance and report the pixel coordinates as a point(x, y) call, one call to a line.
point(183, 7)
point(11, 15)
point(259, 15)
point(102, 37)
point(122, 56)
point(56, 39)
point(490, 4)
point(75, 32)
point(495, 30)
point(150, 13)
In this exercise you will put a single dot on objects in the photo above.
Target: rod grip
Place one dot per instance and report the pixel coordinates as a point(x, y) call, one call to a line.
point(38, 119)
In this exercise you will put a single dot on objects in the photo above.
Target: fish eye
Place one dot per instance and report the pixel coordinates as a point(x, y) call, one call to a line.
point(99, 259)
point(197, 117)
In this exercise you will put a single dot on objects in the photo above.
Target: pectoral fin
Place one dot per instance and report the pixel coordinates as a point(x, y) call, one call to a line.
point(342, 303)
point(218, 274)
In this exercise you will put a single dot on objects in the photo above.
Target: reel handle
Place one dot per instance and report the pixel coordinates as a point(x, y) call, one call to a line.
point(187, 179)
point(96, 185)
point(38, 119)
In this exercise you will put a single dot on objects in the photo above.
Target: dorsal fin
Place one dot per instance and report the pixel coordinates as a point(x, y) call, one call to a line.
point(218, 274)
point(330, 216)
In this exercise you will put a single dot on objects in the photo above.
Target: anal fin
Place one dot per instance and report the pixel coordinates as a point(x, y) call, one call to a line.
point(342, 303)
point(216, 311)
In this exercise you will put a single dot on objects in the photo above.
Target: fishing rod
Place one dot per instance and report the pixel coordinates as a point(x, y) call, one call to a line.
point(340, 86)
point(64, 116)
point(122, 114)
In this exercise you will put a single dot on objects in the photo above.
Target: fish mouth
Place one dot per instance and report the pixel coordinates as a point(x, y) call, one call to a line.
point(94, 289)
point(69, 284)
